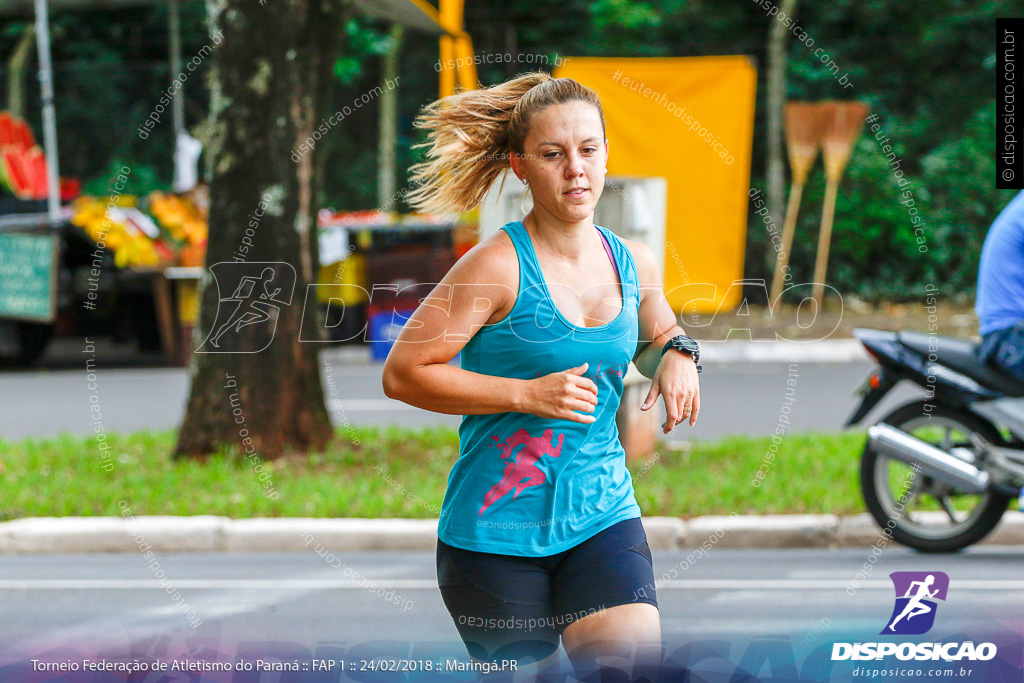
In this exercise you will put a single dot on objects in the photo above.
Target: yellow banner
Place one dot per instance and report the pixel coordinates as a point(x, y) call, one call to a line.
point(689, 120)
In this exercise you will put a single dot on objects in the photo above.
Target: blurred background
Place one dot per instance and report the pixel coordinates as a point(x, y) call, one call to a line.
point(930, 87)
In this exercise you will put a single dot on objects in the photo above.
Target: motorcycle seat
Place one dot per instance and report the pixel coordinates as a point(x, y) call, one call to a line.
point(962, 355)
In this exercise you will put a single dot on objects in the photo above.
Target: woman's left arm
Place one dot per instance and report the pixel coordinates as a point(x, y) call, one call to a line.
point(674, 374)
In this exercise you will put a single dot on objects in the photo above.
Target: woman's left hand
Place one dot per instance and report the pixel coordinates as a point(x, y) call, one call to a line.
point(677, 381)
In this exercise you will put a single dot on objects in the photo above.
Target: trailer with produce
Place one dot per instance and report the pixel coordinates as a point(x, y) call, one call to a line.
point(127, 267)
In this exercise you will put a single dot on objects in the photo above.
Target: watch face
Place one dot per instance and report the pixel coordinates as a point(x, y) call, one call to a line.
point(686, 344)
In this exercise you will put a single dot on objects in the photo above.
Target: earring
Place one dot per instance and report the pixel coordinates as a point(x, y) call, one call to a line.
point(524, 180)
point(606, 171)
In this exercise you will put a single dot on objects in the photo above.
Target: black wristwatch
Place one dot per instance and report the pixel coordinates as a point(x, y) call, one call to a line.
point(686, 345)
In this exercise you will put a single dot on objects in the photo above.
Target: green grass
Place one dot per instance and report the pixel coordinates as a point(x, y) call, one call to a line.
point(811, 473)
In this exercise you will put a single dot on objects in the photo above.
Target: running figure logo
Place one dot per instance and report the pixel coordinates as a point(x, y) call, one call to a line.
point(521, 471)
point(258, 290)
point(914, 612)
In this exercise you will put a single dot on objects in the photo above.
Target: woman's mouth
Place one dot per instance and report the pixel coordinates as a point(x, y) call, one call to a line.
point(578, 192)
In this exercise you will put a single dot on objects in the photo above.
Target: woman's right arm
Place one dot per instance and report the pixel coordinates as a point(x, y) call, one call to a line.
point(417, 370)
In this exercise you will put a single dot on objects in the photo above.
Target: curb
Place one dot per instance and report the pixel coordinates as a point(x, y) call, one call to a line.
point(212, 533)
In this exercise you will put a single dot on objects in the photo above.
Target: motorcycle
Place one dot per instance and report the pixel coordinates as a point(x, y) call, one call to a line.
point(939, 473)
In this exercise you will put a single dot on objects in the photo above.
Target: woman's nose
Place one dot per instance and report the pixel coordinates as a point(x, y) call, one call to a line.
point(574, 166)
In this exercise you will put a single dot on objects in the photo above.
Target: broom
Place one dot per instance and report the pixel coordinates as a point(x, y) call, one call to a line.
point(842, 128)
point(804, 128)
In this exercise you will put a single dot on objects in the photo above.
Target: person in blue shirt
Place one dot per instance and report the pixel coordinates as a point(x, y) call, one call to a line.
point(540, 542)
point(1000, 299)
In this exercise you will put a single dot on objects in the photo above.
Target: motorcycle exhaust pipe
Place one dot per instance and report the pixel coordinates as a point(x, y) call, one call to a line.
point(935, 462)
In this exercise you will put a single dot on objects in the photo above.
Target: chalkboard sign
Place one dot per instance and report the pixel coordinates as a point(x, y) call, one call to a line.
point(28, 276)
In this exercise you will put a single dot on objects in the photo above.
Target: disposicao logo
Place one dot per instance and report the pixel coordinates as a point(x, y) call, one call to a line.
point(912, 615)
point(916, 593)
point(258, 292)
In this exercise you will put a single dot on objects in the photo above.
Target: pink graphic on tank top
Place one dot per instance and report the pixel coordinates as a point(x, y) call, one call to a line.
point(521, 472)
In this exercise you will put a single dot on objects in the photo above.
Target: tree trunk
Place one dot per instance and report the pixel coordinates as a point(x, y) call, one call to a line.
point(775, 173)
point(260, 389)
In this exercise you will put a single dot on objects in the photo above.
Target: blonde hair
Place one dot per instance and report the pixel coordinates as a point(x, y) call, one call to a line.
point(474, 133)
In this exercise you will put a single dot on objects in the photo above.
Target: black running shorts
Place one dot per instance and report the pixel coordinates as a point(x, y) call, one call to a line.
point(516, 607)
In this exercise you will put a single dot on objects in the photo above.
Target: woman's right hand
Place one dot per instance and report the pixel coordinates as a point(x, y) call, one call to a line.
point(560, 394)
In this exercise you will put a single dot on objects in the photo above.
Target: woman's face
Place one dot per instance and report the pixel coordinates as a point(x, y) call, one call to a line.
point(565, 150)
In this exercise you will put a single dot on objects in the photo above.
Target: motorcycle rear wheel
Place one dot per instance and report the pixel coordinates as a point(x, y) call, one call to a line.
point(911, 526)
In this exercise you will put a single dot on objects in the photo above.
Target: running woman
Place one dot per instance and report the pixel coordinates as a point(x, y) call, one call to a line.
point(915, 606)
point(539, 537)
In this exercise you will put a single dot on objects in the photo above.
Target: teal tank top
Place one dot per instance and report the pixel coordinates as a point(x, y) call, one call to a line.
point(533, 486)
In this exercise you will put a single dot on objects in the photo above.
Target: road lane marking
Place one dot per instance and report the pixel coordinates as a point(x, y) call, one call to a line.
point(360, 405)
point(344, 584)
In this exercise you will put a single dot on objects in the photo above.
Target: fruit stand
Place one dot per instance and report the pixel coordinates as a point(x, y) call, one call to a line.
point(54, 268)
point(30, 243)
point(146, 254)
point(152, 254)
point(374, 269)
point(147, 237)
point(128, 267)
point(23, 163)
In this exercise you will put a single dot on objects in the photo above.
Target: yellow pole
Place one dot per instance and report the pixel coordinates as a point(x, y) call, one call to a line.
point(446, 81)
point(456, 50)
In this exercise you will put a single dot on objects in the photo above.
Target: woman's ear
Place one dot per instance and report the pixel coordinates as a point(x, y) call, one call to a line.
point(516, 163)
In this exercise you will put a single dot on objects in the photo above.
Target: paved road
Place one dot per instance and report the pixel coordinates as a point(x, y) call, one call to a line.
point(111, 604)
point(736, 398)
